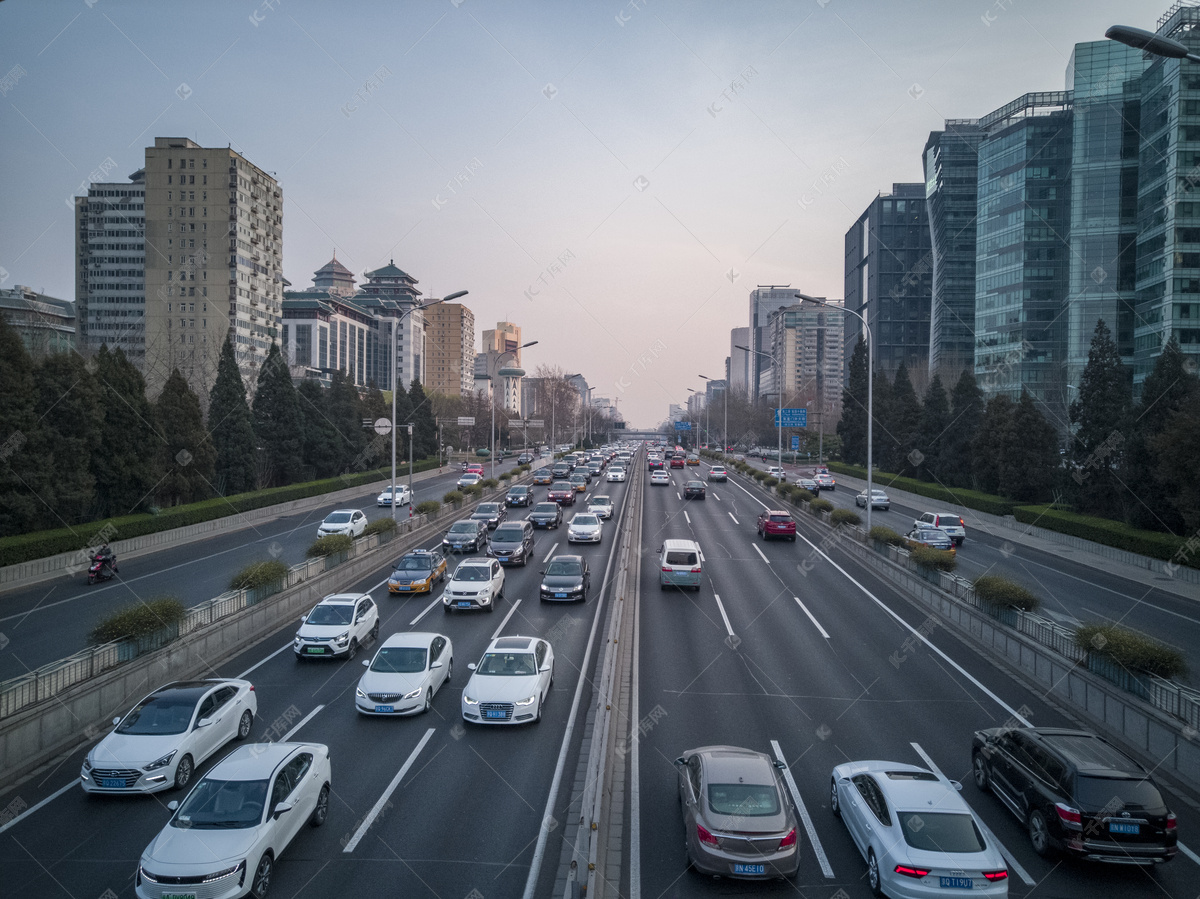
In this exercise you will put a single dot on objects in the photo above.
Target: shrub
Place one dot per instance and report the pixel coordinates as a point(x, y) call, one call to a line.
point(935, 559)
point(380, 526)
point(453, 498)
point(770, 482)
point(984, 502)
point(758, 474)
point(428, 507)
point(817, 506)
point(473, 491)
point(488, 484)
point(329, 546)
point(139, 620)
point(883, 534)
point(506, 476)
point(1006, 594)
point(1110, 533)
point(786, 490)
point(840, 517)
point(259, 574)
point(1131, 650)
point(800, 496)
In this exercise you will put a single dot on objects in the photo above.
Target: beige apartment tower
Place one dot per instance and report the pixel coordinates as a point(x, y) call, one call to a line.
point(449, 349)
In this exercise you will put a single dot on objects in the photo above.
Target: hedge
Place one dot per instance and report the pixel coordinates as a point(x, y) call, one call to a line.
point(1131, 650)
point(329, 546)
point(801, 496)
point(1000, 591)
point(40, 544)
point(380, 526)
point(938, 559)
point(840, 517)
point(972, 499)
point(883, 534)
point(474, 491)
point(817, 506)
point(139, 620)
point(769, 482)
point(259, 574)
point(453, 498)
point(1166, 547)
point(428, 507)
point(487, 483)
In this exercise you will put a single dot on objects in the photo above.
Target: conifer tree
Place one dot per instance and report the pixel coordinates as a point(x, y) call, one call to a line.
point(19, 504)
point(125, 459)
point(186, 454)
point(957, 444)
point(67, 394)
point(278, 423)
point(852, 428)
point(230, 426)
point(935, 419)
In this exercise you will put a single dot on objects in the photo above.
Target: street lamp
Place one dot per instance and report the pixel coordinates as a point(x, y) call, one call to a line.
point(492, 381)
point(870, 388)
point(1140, 39)
point(779, 395)
point(725, 424)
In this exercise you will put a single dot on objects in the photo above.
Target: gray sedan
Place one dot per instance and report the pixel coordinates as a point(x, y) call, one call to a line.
point(736, 815)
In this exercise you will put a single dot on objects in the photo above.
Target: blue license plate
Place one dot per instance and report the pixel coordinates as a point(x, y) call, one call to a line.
point(494, 713)
point(956, 883)
point(464, 604)
point(749, 869)
point(385, 708)
point(1123, 827)
point(560, 596)
point(178, 896)
point(315, 650)
point(112, 783)
point(501, 558)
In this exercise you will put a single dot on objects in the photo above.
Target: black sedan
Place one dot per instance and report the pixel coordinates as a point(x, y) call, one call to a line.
point(563, 494)
point(565, 579)
point(693, 490)
point(545, 515)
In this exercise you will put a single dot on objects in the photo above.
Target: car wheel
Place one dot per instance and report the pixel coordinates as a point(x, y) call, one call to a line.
point(491, 607)
point(245, 724)
point(793, 538)
point(1039, 833)
point(321, 812)
point(375, 630)
point(873, 873)
point(91, 578)
point(262, 877)
point(958, 541)
point(353, 650)
point(449, 671)
point(834, 805)
point(446, 609)
point(428, 699)
point(183, 772)
point(979, 766)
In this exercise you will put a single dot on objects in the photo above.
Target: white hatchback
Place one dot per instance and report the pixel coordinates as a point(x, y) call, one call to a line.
point(511, 682)
point(351, 522)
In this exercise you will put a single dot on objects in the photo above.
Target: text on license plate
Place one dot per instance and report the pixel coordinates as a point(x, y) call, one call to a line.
point(560, 596)
point(316, 650)
point(1123, 827)
point(178, 896)
point(464, 604)
point(384, 708)
point(112, 783)
point(749, 869)
point(494, 713)
point(956, 883)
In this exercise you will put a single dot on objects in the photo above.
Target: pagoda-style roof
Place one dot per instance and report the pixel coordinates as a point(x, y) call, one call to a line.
point(390, 272)
point(333, 267)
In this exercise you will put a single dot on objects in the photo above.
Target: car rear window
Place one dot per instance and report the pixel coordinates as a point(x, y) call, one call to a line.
point(941, 832)
point(781, 518)
point(1121, 792)
point(744, 800)
point(677, 557)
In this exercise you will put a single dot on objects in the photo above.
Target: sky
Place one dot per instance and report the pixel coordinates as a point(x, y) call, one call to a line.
point(612, 177)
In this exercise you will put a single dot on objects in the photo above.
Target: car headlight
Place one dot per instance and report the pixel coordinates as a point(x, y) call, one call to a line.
point(413, 694)
point(530, 701)
point(162, 762)
point(469, 701)
point(87, 763)
point(342, 638)
point(358, 691)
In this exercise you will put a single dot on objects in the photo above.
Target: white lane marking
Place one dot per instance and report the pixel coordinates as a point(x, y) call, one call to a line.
point(816, 623)
point(549, 554)
point(1017, 716)
point(818, 849)
point(299, 724)
point(724, 617)
point(425, 611)
point(687, 517)
point(287, 645)
point(760, 552)
point(1008, 856)
point(735, 521)
point(678, 497)
point(1182, 848)
point(377, 586)
point(717, 498)
point(496, 632)
point(46, 801)
point(635, 777)
point(382, 800)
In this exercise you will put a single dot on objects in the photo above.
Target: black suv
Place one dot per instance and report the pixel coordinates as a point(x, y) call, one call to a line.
point(1076, 794)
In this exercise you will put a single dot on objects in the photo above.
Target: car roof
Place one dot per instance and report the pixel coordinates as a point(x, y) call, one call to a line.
point(342, 598)
point(185, 689)
point(733, 764)
point(344, 512)
point(257, 761)
point(409, 639)
point(1086, 751)
point(474, 561)
point(514, 642)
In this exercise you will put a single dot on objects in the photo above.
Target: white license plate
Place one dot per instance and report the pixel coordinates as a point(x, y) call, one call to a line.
point(178, 896)
point(749, 869)
point(385, 708)
point(956, 883)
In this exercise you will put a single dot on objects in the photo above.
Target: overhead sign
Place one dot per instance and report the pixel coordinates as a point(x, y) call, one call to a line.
point(792, 418)
point(683, 426)
point(795, 442)
point(536, 423)
point(466, 420)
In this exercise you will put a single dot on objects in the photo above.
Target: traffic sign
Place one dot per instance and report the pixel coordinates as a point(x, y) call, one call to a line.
point(683, 426)
point(466, 420)
point(536, 423)
point(383, 426)
point(792, 418)
point(795, 442)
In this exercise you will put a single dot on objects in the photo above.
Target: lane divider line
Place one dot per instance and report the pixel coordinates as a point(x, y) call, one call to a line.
point(687, 517)
point(496, 632)
point(299, 724)
point(802, 809)
point(816, 623)
point(33, 808)
point(425, 611)
point(549, 554)
point(724, 617)
point(761, 553)
point(287, 645)
point(735, 521)
point(386, 795)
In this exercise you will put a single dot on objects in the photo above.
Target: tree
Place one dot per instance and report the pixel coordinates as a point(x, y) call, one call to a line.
point(230, 426)
point(345, 414)
point(125, 459)
point(19, 466)
point(935, 419)
point(1177, 451)
point(1102, 426)
point(186, 454)
point(278, 423)
point(424, 427)
point(989, 442)
point(884, 448)
point(1028, 458)
point(904, 420)
point(404, 411)
point(320, 436)
point(966, 413)
point(852, 428)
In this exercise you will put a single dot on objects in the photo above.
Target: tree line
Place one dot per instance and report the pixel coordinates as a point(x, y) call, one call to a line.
point(81, 441)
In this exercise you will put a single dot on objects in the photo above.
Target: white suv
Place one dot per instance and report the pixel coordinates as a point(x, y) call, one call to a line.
point(478, 583)
point(337, 626)
point(953, 525)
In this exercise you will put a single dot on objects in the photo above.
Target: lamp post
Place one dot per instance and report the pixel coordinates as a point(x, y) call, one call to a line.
point(1140, 39)
point(492, 380)
point(725, 424)
point(870, 389)
point(779, 396)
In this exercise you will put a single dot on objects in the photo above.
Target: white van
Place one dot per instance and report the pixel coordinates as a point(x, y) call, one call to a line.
point(680, 564)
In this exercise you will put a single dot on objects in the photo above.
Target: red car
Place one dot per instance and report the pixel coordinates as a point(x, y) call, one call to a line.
point(677, 462)
point(776, 523)
point(563, 494)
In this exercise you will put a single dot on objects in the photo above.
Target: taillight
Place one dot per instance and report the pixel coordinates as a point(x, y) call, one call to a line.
point(911, 872)
point(1071, 817)
point(789, 840)
point(668, 570)
point(696, 570)
point(706, 837)
point(963, 524)
point(1171, 824)
point(993, 876)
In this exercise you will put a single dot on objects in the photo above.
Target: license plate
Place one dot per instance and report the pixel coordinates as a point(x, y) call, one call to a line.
point(1123, 827)
point(464, 604)
point(315, 650)
point(385, 708)
point(956, 883)
point(560, 596)
point(112, 783)
point(402, 588)
point(749, 869)
point(494, 713)
point(501, 558)
point(178, 896)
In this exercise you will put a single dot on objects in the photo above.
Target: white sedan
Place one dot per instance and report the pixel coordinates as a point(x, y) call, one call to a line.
point(478, 583)
point(405, 674)
point(158, 745)
point(470, 479)
point(403, 496)
point(224, 839)
point(601, 505)
point(659, 478)
point(351, 522)
point(918, 836)
point(616, 474)
point(879, 500)
point(511, 682)
point(585, 527)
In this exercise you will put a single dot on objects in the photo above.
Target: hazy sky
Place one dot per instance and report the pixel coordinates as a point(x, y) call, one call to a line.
point(612, 177)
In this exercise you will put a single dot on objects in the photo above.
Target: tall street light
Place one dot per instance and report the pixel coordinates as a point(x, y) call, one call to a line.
point(804, 298)
point(778, 373)
point(492, 380)
point(1140, 39)
point(707, 437)
point(725, 425)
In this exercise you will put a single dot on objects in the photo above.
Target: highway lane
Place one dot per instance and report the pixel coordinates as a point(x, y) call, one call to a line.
point(870, 689)
point(48, 621)
point(465, 815)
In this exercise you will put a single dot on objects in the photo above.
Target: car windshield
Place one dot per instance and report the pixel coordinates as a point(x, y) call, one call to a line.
point(167, 714)
point(744, 800)
point(507, 664)
point(488, 508)
point(337, 518)
point(1102, 792)
point(941, 832)
point(334, 613)
point(472, 573)
point(546, 508)
point(415, 563)
point(564, 568)
point(585, 521)
point(399, 660)
point(463, 527)
point(222, 804)
point(512, 534)
point(601, 501)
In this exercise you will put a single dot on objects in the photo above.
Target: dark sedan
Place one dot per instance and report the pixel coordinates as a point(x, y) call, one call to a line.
point(490, 514)
point(565, 579)
point(545, 515)
point(693, 490)
point(563, 494)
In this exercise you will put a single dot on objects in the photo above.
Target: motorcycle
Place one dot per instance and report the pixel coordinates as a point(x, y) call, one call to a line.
point(102, 568)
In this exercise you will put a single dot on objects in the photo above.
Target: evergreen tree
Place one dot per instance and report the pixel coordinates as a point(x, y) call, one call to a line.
point(852, 427)
point(125, 459)
point(424, 426)
point(186, 455)
point(966, 412)
point(885, 449)
point(905, 420)
point(230, 427)
point(1029, 458)
point(990, 441)
point(345, 414)
point(1177, 454)
point(935, 419)
point(66, 439)
point(278, 423)
point(19, 466)
point(1102, 426)
point(404, 416)
point(320, 436)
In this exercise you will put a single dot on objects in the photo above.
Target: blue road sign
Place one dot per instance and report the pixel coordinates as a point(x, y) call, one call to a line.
point(685, 425)
point(795, 442)
point(792, 418)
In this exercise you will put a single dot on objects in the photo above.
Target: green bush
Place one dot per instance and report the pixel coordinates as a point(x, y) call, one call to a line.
point(936, 559)
point(1107, 532)
point(139, 620)
point(380, 526)
point(1006, 594)
point(473, 491)
point(329, 546)
point(506, 476)
point(801, 496)
point(259, 574)
point(770, 482)
point(883, 534)
point(487, 484)
point(428, 507)
point(1131, 650)
point(453, 498)
point(840, 517)
point(817, 506)
point(785, 489)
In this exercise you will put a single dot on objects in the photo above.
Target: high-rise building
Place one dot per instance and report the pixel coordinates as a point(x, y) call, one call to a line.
point(951, 161)
point(502, 347)
point(391, 294)
point(739, 361)
point(214, 262)
point(888, 272)
point(110, 268)
point(449, 349)
point(807, 341)
point(764, 300)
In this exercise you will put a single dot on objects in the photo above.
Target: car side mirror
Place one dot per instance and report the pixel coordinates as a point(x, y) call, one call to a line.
point(281, 808)
point(203, 722)
point(470, 666)
point(680, 761)
point(366, 663)
point(172, 805)
point(117, 720)
point(957, 785)
point(544, 669)
point(780, 764)
point(540, 571)
point(435, 665)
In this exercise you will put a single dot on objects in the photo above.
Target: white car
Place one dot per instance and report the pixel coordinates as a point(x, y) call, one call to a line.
point(159, 743)
point(952, 524)
point(616, 474)
point(510, 683)
point(403, 496)
point(601, 505)
point(478, 583)
point(879, 500)
point(918, 836)
point(776, 472)
point(224, 839)
point(470, 479)
point(718, 473)
point(337, 626)
point(351, 522)
point(405, 674)
point(585, 527)
point(659, 478)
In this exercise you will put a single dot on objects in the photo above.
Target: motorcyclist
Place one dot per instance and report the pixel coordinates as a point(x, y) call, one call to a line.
point(107, 557)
